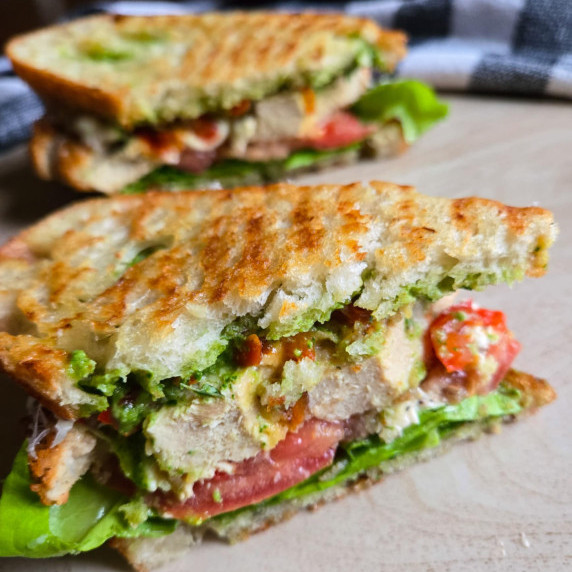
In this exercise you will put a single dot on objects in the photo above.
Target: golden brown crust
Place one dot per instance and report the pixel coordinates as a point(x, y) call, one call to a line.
point(199, 53)
point(34, 366)
point(43, 469)
point(42, 149)
point(56, 157)
point(536, 392)
point(54, 88)
point(42, 371)
point(275, 253)
point(464, 215)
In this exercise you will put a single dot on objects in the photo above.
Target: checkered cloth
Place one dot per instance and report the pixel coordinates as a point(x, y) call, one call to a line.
point(518, 47)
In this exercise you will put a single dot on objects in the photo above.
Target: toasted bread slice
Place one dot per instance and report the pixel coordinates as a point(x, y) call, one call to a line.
point(146, 554)
point(156, 283)
point(136, 70)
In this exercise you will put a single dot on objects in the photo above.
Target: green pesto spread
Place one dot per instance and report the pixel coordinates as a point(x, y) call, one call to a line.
point(80, 366)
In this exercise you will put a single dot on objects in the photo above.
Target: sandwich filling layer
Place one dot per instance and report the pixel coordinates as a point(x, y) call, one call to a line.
point(255, 141)
point(282, 407)
point(465, 381)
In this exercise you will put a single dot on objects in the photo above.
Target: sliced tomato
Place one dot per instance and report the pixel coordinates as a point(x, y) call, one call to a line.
point(170, 145)
point(159, 143)
point(106, 418)
point(205, 128)
point(293, 460)
point(504, 354)
point(339, 130)
point(475, 341)
point(249, 353)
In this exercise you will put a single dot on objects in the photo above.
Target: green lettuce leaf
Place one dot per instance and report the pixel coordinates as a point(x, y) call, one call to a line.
point(234, 172)
point(91, 516)
point(413, 103)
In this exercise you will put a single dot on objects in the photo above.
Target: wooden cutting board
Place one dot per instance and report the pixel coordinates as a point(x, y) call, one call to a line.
point(502, 503)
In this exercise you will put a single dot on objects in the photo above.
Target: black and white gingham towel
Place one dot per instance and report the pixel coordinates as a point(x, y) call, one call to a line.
point(521, 47)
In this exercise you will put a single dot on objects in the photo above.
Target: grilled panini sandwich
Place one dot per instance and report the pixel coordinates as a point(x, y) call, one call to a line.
point(171, 102)
point(215, 361)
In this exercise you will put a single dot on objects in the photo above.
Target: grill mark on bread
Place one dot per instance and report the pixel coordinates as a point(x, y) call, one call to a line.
point(254, 255)
point(516, 218)
point(63, 277)
point(307, 231)
point(39, 368)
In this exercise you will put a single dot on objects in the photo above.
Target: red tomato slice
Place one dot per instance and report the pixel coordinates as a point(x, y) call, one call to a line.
point(204, 128)
point(159, 142)
point(504, 353)
point(339, 130)
point(250, 352)
point(293, 460)
point(106, 418)
point(464, 337)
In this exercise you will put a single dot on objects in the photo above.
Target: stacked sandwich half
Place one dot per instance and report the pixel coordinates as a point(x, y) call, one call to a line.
point(180, 102)
point(214, 361)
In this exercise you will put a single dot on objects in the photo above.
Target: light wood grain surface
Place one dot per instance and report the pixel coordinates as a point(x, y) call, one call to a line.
point(503, 503)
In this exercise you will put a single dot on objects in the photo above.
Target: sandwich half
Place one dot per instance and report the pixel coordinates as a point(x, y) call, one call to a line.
point(180, 102)
point(215, 361)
